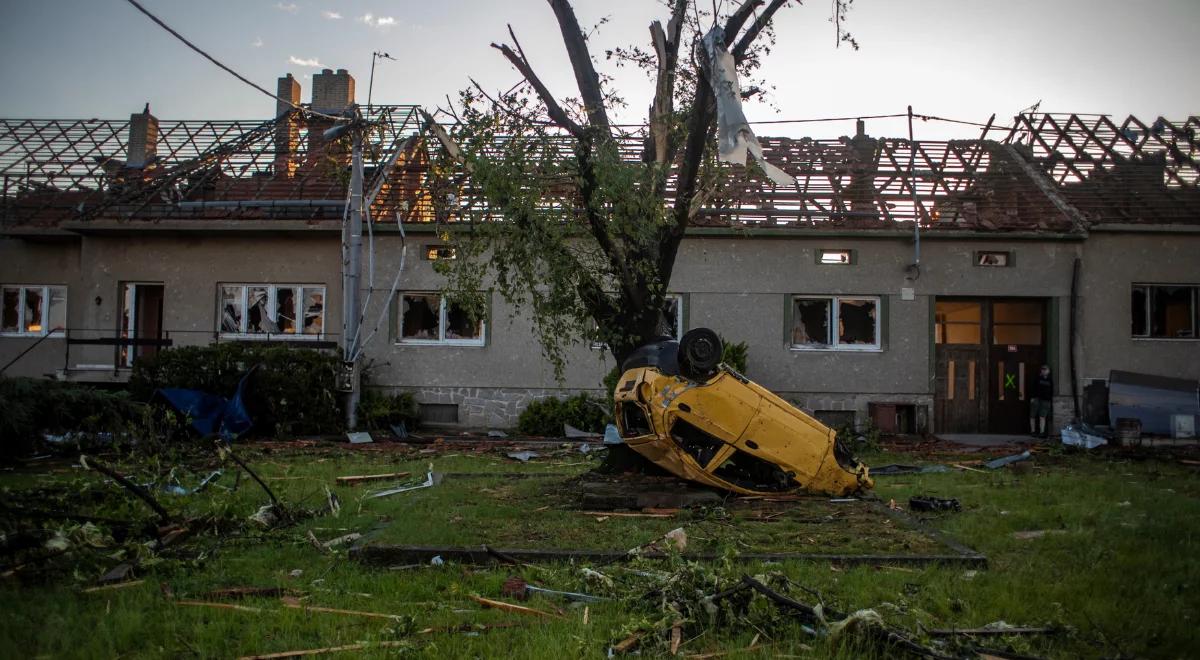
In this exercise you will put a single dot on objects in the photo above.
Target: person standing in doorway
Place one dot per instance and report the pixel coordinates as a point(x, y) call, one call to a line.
point(1040, 404)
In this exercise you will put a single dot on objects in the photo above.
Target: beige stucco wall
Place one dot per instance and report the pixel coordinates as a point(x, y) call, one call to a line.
point(738, 285)
point(1113, 262)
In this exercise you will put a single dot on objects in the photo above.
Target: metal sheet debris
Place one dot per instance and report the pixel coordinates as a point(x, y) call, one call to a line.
point(393, 491)
point(1152, 399)
point(1007, 460)
point(359, 438)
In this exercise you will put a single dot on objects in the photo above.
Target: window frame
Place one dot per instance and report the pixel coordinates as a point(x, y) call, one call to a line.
point(1147, 310)
point(443, 323)
point(834, 316)
point(1009, 258)
point(45, 291)
point(851, 256)
point(272, 304)
point(681, 325)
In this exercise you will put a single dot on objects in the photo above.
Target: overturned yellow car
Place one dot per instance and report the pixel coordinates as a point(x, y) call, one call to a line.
point(680, 408)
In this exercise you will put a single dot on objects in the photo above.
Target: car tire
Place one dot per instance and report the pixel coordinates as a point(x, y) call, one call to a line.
point(699, 353)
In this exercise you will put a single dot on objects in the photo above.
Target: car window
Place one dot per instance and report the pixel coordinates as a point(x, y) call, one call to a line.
point(698, 444)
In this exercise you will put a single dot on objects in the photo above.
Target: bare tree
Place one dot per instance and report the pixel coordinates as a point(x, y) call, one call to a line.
point(574, 219)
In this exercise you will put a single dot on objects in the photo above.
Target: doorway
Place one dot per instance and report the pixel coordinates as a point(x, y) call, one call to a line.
point(141, 320)
point(988, 351)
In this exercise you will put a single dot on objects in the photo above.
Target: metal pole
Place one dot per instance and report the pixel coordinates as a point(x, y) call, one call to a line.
point(371, 83)
point(351, 274)
point(912, 186)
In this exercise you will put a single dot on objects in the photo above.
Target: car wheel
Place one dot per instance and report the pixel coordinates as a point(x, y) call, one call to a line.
point(699, 353)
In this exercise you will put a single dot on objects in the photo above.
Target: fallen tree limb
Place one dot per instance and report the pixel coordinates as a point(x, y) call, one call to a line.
point(509, 607)
point(225, 450)
point(141, 493)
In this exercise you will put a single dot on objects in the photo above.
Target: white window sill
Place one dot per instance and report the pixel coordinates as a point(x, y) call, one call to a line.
point(477, 343)
point(34, 335)
point(282, 336)
point(835, 349)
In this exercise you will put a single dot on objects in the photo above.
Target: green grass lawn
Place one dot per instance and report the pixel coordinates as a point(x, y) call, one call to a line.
point(1116, 568)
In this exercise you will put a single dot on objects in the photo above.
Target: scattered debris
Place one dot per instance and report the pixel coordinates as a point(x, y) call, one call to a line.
point(425, 484)
point(627, 514)
point(612, 436)
point(517, 587)
point(497, 434)
point(994, 629)
point(894, 469)
point(345, 538)
point(927, 503)
point(1008, 460)
point(238, 593)
point(1036, 533)
point(360, 438)
point(522, 456)
point(1082, 435)
point(219, 606)
point(509, 607)
point(265, 516)
point(572, 432)
point(966, 467)
point(111, 587)
point(354, 480)
point(294, 603)
point(437, 561)
point(93, 464)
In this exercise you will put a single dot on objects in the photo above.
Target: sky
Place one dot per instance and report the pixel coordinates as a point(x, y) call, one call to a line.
point(960, 59)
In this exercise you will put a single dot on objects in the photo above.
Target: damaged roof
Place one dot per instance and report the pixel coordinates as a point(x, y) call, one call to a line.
point(1056, 173)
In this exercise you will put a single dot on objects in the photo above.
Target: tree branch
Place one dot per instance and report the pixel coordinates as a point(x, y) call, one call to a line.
point(743, 45)
point(581, 61)
point(666, 45)
point(557, 114)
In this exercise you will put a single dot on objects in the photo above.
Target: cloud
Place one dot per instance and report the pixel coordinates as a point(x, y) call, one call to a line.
point(290, 7)
point(258, 42)
point(331, 15)
point(382, 22)
point(306, 61)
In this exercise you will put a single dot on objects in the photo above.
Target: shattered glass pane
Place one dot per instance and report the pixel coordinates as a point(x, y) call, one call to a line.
point(856, 322)
point(1171, 313)
point(810, 322)
point(231, 309)
point(420, 316)
point(33, 310)
point(258, 315)
point(674, 314)
point(12, 311)
point(58, 308)
point(314, 311)
point(1138, 305)
point(285, 309)
point(461, 325)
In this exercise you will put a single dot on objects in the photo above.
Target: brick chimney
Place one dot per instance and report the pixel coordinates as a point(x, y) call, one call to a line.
point(860, 193)
point(143, 139)
point(287, 131)
point(332, 92)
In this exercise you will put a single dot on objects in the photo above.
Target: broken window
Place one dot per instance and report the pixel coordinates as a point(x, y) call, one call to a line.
point(673, 313)
point(440, 252)
point(33, 310)
point(266, 310)
point(429, 318)
point(1017, 323)
point(992, 258)
point(1165, 311)
point(814, 320)
point(835, 257)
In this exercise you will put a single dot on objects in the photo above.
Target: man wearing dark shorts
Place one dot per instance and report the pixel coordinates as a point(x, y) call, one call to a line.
point(1040, 403)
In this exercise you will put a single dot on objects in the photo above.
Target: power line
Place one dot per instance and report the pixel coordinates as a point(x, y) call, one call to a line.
point(214, 60)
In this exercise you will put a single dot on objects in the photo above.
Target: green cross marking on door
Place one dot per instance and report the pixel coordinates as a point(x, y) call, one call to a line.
point(1010, 381)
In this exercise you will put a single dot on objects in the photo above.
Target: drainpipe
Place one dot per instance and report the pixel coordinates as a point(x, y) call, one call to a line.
point(1074, 338)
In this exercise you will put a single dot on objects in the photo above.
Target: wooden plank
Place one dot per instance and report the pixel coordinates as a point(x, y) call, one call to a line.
point(353, 480)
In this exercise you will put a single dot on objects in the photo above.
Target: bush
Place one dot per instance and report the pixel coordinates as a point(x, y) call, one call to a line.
point(291, 393)
point(546, 417)
point(30, 407)
point(379, 411)
point(734, 355)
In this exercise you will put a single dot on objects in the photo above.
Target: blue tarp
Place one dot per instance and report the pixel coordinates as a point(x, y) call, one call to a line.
point(210, 414)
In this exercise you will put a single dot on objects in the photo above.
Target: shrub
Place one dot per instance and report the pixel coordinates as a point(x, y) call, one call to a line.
point(30, 407)
point(734, 355)
point(379, 411)
point(546, 417)
point(291, 393)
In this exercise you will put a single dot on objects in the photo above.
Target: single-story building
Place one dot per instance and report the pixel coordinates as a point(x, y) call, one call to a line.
point(917, 285)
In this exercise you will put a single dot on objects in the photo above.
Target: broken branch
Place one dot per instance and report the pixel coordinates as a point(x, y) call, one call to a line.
point(581, 62)
point(137, 490)
point(556, 112)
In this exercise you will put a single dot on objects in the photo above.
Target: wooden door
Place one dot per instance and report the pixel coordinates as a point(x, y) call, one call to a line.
point(960, 387)
point(1017, 350)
